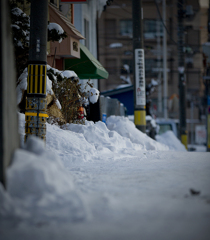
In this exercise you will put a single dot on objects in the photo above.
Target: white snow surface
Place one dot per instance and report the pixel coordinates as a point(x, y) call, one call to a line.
point(69, 74)
point(173, 143)
point(113, 182)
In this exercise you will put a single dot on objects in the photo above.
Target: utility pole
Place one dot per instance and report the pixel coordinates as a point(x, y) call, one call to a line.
point(182, 82)
point(139, 68)
point(160, 112)
point(165, 80)
point(35, 114)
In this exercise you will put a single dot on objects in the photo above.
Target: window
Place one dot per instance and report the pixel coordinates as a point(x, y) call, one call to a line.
point(126, 27)
point(151, 67)
point(111, 66)
point(110, 27)
point(127, 65)
point(86, 33)
point(151, 28)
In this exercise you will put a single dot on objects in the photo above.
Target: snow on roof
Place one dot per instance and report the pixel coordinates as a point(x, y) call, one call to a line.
point(56, 26)
point(115, 45)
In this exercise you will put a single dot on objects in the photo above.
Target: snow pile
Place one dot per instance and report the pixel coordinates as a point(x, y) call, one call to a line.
point(69, 74)
point(126, 128)
point(103, 140)
point(93, 182)
point(151, 120)
point(40, 187)
point(18, 12)
point(168, 138)
point(93, 95)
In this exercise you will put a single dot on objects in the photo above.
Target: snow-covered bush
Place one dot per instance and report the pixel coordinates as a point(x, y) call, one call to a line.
point(64, 95)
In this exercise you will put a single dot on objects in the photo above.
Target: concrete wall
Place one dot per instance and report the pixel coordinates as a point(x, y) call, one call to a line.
point(9, 137)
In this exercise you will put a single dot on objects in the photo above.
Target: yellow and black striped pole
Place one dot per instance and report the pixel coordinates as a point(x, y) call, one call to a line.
point(36, 102)
point(139, 68)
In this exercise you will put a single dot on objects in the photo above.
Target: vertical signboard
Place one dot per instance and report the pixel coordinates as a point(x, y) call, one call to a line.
point(140, 77)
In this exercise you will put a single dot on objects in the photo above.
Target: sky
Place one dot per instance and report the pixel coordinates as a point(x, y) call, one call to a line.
point(105, 181)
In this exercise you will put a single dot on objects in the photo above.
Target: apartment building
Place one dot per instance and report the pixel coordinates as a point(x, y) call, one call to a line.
point(116, 50)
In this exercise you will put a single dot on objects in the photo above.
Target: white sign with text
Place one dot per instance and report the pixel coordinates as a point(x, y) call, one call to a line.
point(140, 77)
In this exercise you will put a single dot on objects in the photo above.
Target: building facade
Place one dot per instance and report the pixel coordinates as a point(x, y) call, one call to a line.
point(116, 51)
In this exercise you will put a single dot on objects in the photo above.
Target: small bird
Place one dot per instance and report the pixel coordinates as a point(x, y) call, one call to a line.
point(194, 192)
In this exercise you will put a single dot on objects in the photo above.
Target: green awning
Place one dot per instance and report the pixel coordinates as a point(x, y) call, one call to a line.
point(87, 67)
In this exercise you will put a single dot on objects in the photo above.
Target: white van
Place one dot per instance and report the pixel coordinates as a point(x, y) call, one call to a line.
point(168, 124)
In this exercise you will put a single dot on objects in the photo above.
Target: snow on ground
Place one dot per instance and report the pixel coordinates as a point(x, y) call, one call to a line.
point(99, 182)
point(168, 138)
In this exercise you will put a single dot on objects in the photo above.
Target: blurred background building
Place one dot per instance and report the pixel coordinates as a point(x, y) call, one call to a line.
point(116, 52)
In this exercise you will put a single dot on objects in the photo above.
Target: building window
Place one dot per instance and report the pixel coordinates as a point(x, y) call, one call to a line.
point(111, 66)
point(127, 66)
point(126, 27)
point(151, 69)
point(86, 33)
point(151, 28)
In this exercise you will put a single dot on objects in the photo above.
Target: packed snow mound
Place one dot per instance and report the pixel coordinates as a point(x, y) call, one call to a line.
point(168, 138)
point(104, 140)
point(126, 128)
point(39, 186)
point(69, 74)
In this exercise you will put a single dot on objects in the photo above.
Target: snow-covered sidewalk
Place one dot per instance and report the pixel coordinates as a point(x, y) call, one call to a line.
point(95, 182)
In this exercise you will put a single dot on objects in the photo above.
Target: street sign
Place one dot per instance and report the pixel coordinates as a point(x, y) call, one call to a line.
point(140, 77)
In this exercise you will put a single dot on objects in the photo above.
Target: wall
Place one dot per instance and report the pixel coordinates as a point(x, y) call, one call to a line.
point(9, 137)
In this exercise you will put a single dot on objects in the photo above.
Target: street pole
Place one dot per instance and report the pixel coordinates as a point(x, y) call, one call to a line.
point(139, 68)
point(159, 70)
point(182, 82)
point(165, 80)
point(36, 102)
point(208, 87)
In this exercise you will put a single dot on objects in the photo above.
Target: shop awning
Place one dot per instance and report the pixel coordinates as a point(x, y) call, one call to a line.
point(87, 67)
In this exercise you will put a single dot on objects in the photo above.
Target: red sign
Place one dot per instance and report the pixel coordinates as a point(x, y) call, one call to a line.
point(75, 1)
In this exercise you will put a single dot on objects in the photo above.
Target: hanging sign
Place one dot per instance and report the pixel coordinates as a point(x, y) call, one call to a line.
point(140, 77)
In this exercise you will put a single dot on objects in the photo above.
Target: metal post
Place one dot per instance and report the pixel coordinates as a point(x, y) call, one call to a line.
point(182, 82)
point(139, 69)
point(35, 114)
point(165, 80)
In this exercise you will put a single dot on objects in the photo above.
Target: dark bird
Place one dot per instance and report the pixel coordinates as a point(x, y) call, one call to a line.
point(194, 192)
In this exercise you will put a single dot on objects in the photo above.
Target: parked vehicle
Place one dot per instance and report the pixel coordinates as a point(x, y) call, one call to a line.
point(168, 124)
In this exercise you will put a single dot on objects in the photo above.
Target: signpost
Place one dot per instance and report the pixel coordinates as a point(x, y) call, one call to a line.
point(140, 77)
